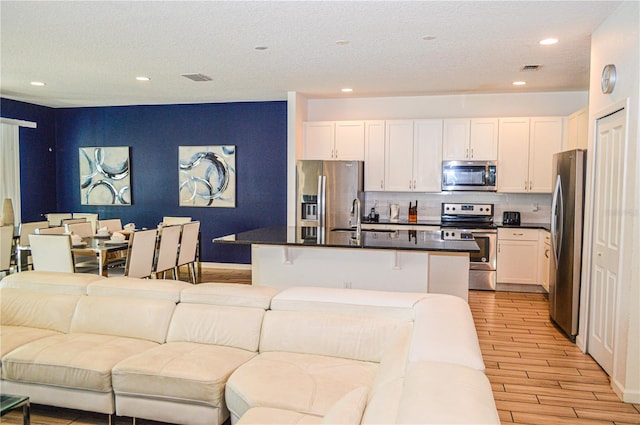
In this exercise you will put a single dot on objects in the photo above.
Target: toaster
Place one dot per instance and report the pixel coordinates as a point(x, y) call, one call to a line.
point(511, 218)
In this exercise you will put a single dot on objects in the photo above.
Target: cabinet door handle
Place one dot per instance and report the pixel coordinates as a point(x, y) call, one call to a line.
point(409, 184)
point(466, 153)
point(336, 154)
point(518, 234)
point(414, 184)
point(471, 152)
point(526, 183)
point(546, 253)
point(381, 184)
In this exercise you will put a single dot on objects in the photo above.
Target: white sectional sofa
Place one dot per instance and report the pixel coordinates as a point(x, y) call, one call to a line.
point(199, 354)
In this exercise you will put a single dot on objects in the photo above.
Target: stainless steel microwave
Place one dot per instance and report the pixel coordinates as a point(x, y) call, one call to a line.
point(469, 175)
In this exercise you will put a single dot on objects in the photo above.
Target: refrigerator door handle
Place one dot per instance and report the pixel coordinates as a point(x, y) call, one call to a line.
point(557, 214)
point(322, 218)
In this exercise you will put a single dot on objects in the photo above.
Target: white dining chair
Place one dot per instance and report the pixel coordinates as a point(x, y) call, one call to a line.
point(170, 221)
point(22, 247)
point(113, 224)
point(55, 230)
point(55, 219)
point(91, 218)
point(142, 248)
point(73, 220)
point(188, 249)
point(6, 243)
point(167, 254)
point(83, 229)
point(51, 253)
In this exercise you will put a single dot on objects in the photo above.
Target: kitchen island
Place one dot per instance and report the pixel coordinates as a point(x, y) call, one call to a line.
point(399, 260)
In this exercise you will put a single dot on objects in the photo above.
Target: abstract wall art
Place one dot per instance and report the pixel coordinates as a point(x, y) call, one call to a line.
point(104, 176)
point(207, 176)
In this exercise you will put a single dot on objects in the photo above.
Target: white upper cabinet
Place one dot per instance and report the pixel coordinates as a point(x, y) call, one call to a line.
point(333, 140)
point(427, 155)
point(525, 153)
point(399, 156)
point(470, 139)
point(374, 156)
point(413, 156)
point(545, 140)
point(578, 127)
point(455, 143)
point(483, 145)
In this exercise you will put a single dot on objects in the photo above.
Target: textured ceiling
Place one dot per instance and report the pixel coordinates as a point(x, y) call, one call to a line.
point(90, 52)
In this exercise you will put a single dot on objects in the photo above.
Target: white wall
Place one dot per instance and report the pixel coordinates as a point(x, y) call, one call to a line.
point(450, 106)
point(617, 41)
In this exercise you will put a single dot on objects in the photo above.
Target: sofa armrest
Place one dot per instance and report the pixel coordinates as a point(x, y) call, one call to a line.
point(444, 331)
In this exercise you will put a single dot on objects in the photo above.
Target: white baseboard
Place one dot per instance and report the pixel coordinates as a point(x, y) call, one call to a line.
point(232, 266)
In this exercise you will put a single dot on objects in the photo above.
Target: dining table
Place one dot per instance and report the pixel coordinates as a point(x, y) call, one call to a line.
point(101, 247)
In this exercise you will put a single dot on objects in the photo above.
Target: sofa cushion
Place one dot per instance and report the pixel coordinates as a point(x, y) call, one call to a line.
point(57, 282)
point(12, 337)
point(214, 324)
point(159, 289)
point(127, 317)
point(438, 393)
point(305, 383)
point(81, 361)
point(272, 416)
point(338, 335)
point(348, 301)
point(233, 294)
point(180, 371)
point(33, 309)
point(348, 410)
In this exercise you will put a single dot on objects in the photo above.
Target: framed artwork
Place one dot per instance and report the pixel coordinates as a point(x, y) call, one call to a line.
point(207, 176)
point(105, 176)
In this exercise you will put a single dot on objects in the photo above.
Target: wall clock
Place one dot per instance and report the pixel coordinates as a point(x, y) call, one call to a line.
point(608, 81)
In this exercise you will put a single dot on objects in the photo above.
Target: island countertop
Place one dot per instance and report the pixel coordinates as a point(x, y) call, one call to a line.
point(411, 240)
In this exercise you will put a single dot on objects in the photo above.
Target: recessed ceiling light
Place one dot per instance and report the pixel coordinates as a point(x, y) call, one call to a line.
point(429, 37)
point(346, 90)
point(141, 78)
point(548, 41)
point(261, 47)
point(342, 42)
point(519, 83)
point(38, 83)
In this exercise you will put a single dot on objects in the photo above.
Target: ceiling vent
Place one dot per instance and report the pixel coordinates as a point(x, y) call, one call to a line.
point(197, 77)
point(530, 68)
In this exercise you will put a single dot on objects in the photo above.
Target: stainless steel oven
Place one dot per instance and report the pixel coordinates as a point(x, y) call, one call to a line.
point(477, 220)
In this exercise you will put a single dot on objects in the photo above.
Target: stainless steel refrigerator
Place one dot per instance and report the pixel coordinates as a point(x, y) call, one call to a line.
point(325, 191)
point(566, 239)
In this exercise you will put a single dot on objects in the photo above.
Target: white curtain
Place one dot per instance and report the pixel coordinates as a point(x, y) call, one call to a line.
point(10, 167)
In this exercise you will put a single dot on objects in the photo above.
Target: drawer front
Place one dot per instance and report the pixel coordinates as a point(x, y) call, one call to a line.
point(517, 234)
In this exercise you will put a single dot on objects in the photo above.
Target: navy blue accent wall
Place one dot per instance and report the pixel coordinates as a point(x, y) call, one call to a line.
point(37, 157)
point(154, 133)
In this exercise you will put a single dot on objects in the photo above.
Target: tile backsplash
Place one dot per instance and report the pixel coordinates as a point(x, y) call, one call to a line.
point(534, 208)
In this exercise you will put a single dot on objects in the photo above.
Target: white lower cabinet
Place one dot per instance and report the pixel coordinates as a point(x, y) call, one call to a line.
point(544, 244)
point(518, 256)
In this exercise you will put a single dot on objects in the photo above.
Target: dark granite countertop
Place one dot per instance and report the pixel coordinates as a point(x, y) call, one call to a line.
point(403, 222)
point(413, 240)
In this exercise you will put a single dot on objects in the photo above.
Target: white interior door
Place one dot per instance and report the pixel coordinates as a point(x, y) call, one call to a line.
point(605, 254)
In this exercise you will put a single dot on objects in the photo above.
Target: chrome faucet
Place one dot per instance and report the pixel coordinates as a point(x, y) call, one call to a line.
point(355, 210)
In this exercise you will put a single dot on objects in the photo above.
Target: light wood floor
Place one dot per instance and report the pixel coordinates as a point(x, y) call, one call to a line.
point(538, 377)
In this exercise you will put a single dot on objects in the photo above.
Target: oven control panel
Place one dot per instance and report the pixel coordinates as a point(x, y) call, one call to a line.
point(456, 235)
point(452, 209)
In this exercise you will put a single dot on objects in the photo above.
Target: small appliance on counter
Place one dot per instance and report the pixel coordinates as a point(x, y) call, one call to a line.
point(413, 212)
point(394, 212)
point(511, 218)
